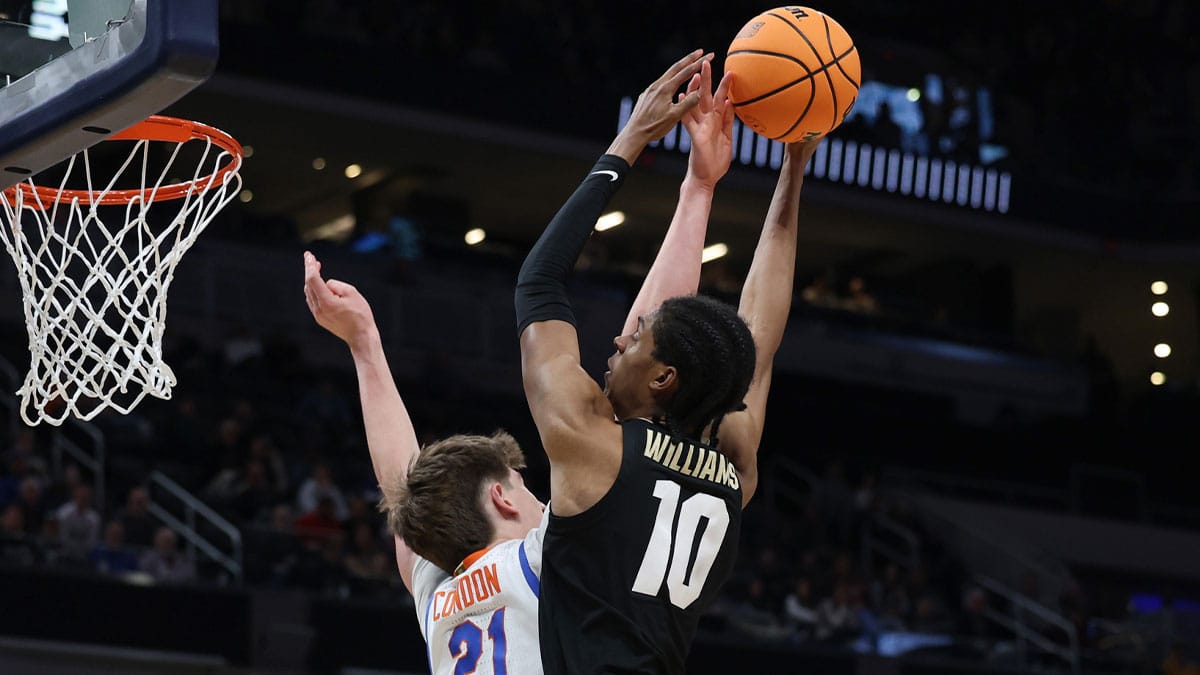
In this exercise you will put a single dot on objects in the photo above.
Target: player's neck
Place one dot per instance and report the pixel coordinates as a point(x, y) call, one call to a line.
point(472, 558)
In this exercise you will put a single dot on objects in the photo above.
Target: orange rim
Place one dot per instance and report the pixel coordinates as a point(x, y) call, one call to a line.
point(153, 128)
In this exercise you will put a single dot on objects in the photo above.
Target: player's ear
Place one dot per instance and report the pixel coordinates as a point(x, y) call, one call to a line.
point(665, 381)
point(501, 501)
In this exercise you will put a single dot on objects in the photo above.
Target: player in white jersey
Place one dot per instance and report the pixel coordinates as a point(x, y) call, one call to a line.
point(474, 613)
point(458, 505)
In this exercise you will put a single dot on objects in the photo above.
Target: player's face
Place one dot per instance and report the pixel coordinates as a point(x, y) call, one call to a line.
point(531, 507)
point(630, 369)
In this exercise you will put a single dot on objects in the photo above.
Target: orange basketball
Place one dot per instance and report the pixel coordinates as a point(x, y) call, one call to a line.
point(796, 73)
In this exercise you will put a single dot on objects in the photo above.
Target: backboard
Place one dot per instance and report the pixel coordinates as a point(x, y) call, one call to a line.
point(73, 72)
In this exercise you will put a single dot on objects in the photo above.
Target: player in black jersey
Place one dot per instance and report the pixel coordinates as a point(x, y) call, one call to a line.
point(649, 475)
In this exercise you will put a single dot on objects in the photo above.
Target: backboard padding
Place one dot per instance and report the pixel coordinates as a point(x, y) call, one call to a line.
point(163, 50)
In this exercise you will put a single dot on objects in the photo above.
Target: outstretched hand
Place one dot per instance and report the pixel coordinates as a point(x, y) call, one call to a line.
point(802, 151)
point(337, 306)
point(657, 109)
point(710, 126)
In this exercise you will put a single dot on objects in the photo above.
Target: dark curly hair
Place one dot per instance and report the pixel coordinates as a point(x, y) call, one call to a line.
point(713, 354)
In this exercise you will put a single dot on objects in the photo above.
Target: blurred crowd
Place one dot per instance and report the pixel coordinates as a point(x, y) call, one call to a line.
point(275, 446)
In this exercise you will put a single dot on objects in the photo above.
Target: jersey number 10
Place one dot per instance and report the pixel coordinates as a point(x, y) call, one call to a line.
point(662, 559)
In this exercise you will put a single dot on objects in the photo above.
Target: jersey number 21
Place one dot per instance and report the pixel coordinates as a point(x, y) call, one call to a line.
point(658, 561)
point(466, 645)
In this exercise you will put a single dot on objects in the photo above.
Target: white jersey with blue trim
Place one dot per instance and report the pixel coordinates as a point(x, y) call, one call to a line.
point(483, 620)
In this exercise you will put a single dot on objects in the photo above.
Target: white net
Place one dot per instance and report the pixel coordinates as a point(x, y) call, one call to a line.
point(94, 277)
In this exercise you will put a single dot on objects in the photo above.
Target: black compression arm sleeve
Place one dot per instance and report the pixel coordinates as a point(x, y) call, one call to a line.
point(541, 286)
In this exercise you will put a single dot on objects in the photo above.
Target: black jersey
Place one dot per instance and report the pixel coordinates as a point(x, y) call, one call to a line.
point(624, 583)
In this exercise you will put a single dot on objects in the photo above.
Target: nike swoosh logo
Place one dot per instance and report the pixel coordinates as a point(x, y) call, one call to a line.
point(613, 174)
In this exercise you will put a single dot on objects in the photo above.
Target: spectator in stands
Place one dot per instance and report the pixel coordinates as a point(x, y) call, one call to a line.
point(23, 456)
point(264, 449)
point(182, 435)
point(112, 555)
point(754, 616)
point(930, 615)
point(320, 485)
point(164, 562)
point(271, 548)
point(228, 444)
point(254, 492)
point(326, 408)
point(800, 609)
point(31, 500)
point(16, 547)
point(835, 504)
point(887, 133)
point(837, 618)
point(866, 503)
point(363, 512)
point(10, 484)
point(820, 291)
point(135, 517)
point(78, 522)
point(321, 522)
point(972, 620)
point(320, 565)
point(241, 347)
point(366, 559)
point(768, 567)
point(890, 597)
point(865, 616)
point(858, 298)
point(718, 280)
point(61, 489)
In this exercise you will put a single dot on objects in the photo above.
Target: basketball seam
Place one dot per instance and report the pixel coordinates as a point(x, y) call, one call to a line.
point(789, 85)
point(824, 68)
point(799, 32)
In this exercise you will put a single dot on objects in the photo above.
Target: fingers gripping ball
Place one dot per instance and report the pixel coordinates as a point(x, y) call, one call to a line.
point(796, 73)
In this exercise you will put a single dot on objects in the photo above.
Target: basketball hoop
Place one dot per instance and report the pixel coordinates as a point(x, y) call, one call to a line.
point(95, 263)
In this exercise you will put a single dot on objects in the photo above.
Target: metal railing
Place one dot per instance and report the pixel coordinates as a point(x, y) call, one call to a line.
point(883, 536)
point(960, 486)
point(786, 475)
point(1017, 621)
point(195, 513)
point(91, 458)
point(1011, 559)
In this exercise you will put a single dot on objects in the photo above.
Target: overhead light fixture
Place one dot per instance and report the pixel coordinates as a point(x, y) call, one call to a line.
point(1162, 350)
point(247, 151)
point(245, 196)
point(610, 220)
point(353, 171)
point(1160, 309)
point(318, 163)
point(474, 236)
point(1158, 288)
point(1158, 378)
point(711, 253)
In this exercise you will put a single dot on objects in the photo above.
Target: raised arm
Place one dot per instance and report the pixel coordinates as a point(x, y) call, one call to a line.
point(676, 268)
point(564, 400)
point(765, 304)
point(342, 310)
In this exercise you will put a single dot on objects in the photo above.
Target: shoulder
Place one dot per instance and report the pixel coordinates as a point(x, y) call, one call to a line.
point(426, 578)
